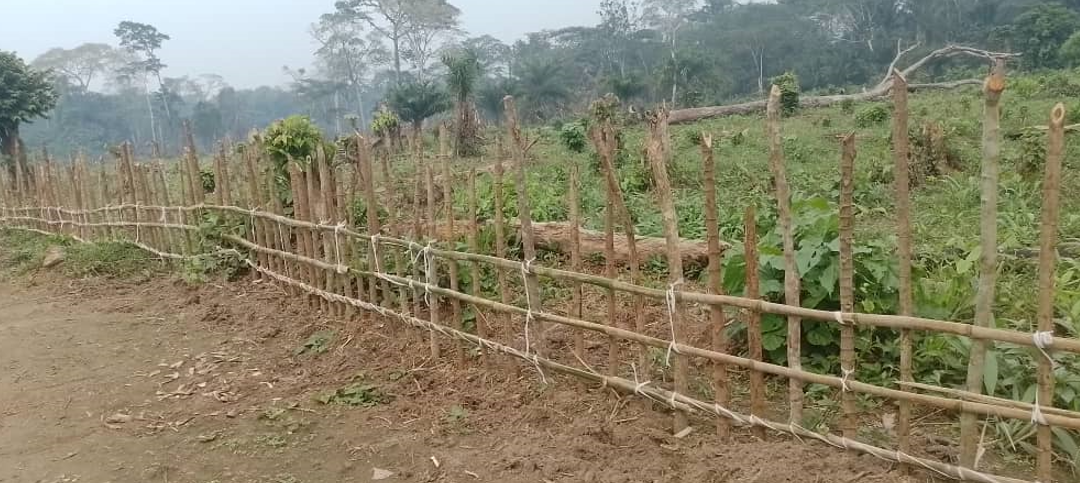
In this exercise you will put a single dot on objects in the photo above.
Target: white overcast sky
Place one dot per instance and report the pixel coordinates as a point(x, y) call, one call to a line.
point(246, 41)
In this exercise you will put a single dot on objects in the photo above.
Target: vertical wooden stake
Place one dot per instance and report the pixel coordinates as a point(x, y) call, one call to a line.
point(374, 225)
point(606, 141)
point(791, 269)
point(984, 299)
point(658, 151)
point(901, 153)
point(302, 212)
point(535, 330)
point(612, 297)
point(1051, 212)
point(390, 201)
point(432, 269)
point(474, 267)
point(500, 229)
point(220, 182)
point(448, 200)
point(717, 319)
point(333, 252)
point(574, 200)
point(847, 281)
point(753, 323)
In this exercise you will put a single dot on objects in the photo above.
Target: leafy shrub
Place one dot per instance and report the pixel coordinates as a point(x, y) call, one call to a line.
point(871, 116)
point(574, 135)
point(385, 123)
point(788, 83)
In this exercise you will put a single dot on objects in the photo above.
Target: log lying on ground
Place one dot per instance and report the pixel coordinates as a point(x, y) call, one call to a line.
point(881, 90)
point(555, 236)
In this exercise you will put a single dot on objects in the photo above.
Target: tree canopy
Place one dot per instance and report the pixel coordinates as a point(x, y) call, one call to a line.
point(25, 94)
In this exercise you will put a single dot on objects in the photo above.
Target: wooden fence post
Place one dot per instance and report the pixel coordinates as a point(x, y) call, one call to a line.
point(1051, 211)
point(474, 267)
point(606, 142)
point(717, 318)
point(574, 200)
point(984, 299)
point(452, 265)
point(791, 269)
point(659, 153)
point(847, 282)
point(534, 330)
point(753, 323)
point(902, 177)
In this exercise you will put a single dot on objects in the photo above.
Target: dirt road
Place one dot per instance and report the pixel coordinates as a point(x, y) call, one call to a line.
point(156, 381)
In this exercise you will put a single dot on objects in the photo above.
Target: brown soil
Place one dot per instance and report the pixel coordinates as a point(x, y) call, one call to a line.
point(158, 381)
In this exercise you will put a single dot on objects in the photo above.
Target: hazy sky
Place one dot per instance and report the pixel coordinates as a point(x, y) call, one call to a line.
point(246, 41)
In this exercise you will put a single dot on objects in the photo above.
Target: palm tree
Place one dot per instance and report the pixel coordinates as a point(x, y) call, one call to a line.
point(463, 72)
point(417, 101)
point(542, 84)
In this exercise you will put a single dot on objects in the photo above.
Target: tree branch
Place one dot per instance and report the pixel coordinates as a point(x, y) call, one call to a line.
point(878, 91)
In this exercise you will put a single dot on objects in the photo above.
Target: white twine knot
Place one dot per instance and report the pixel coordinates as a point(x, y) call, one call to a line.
point(375, 253)
point(1044, 341)
point(339, 267)
point(164, 218)
point(670, 298)
point(844, 380)
point(429, 273)
point(526, 270)
point(838, 316)
point(1037, 416)
point(638, 386)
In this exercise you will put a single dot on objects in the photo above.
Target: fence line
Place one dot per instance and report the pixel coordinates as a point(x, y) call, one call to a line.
point(343, 270)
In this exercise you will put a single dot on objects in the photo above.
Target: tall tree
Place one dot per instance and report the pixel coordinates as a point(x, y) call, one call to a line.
point(25, 94)
point(346, 54)
point(143, 41)
point(432, 23)
point(410, 26)
point(670, 16)
point(82, 64)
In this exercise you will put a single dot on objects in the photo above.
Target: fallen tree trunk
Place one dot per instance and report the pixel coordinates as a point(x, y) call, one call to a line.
point(555, 236)
point(880, 90)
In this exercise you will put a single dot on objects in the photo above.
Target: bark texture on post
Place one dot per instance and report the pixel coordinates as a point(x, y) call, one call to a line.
point(717, 319)
point(791, 269)
point(1051, 212)
point(753, 323)
point(984, 299)
point(901, 156)
point(535, 331)
point(658, 151)
point(574, 200)
point(847, 280)
point(607, 144)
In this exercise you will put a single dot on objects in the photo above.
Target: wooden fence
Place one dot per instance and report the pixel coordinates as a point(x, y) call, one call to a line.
point(407, 272)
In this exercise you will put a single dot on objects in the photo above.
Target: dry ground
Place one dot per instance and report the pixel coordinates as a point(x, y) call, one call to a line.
point(157, 381)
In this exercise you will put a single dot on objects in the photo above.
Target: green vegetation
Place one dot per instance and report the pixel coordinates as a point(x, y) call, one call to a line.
point(357, 394)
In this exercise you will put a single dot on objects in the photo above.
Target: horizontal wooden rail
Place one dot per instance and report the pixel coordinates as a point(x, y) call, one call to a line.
point(858, 319)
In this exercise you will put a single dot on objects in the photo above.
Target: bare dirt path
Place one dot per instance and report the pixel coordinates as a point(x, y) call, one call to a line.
point(157, 381)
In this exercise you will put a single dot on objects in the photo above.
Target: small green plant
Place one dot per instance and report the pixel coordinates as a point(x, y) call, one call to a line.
point(456, 414)
point(574, 135)
point(318, 343)
point(358, 394)
point(871, 116)
point(788, 83)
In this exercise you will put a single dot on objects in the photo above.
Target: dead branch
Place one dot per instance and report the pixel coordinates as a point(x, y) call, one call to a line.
point(882, 89)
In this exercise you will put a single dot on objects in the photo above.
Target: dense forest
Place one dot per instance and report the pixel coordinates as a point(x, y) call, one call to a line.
point(411, 55)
